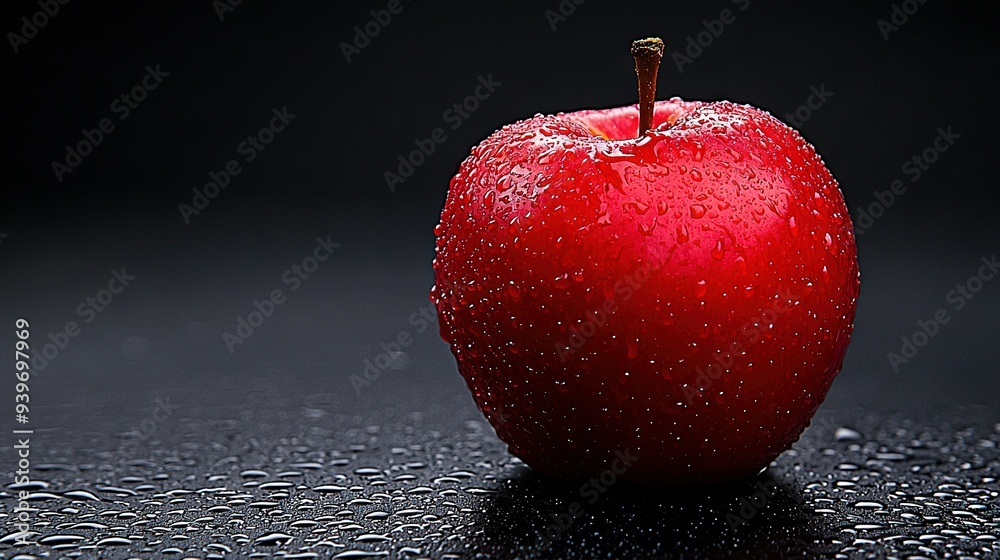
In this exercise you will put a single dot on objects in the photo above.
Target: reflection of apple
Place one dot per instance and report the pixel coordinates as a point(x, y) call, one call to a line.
point(686, 296)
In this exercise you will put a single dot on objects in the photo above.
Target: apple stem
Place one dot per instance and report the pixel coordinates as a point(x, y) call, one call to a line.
point(647, 54)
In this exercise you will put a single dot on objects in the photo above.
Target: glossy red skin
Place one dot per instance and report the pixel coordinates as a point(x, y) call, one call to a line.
point(735, 218)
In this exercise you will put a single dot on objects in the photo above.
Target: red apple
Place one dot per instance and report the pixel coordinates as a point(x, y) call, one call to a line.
point(685, 296)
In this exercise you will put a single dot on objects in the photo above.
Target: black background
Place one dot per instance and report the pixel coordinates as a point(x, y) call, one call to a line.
point(323, 175)
point(286, 395)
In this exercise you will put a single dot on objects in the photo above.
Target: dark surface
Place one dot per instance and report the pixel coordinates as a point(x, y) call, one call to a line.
point(283, 401)
point(222, 479)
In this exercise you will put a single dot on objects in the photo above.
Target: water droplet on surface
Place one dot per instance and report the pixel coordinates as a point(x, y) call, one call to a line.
point(372, 537)
point(81, 495)
point(846, 434)
point(272, 539)
point(54, 540)
point(358, 554)
point(869, 505)
point(113, 541)
point(253, 473)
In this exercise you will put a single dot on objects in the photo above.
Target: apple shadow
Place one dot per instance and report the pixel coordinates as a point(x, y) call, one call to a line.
point(532, 516)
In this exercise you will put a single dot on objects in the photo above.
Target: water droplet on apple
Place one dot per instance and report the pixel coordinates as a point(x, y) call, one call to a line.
point(697, 152)
point(635, 205)
point(503, 183)
point(647, 229)
point(793, 227)
point(682, 233)
point(697, 211)
point(718, 251)
point(700, 288)
point(695, 175)
point(661, 207)
point(489, 199)
point(663, 152)
point(808, 289)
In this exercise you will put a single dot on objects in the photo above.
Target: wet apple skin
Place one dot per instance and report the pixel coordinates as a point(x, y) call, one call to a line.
point(718, 249)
